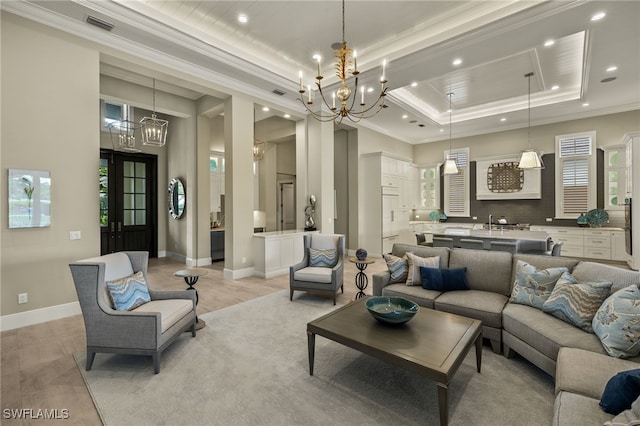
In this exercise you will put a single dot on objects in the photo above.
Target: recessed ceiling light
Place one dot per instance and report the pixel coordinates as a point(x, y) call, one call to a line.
point(586, 104)
point(414, 84)
point(556, 87)
point(243, 19)
point(370, 89)
point(503, 119)
point(608, 79)
point(449, 110)
point(549, 43)
point(413, 121)
point(287, 116)
point(317, 57)
point(405, 116)
point(441, 130)
point(265, 109)
point(457, 61)
point(612, 68)
point(420, 125)
point(598, 16)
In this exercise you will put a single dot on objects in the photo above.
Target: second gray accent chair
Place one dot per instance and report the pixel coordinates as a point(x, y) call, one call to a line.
point(327, 280)
point(146, 330)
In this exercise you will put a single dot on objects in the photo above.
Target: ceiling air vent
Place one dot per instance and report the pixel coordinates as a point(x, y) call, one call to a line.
point(99, 23)
point(278, 92)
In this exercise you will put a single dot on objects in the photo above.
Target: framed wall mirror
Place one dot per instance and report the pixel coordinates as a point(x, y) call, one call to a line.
point(177, 198)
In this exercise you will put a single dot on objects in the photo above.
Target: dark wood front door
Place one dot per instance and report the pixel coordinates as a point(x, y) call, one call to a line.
point(128, 202)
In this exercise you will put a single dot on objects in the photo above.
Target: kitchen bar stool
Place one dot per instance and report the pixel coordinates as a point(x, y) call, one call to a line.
point(442, 242)
point(468, 243)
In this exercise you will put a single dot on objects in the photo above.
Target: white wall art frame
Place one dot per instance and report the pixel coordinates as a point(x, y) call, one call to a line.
point(29, 198)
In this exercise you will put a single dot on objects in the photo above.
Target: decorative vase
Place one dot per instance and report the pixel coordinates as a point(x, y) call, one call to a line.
point(361, 254)
point(443, 217)
point(582, 220)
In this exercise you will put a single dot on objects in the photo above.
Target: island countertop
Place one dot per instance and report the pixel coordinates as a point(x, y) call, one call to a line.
point(495, 234)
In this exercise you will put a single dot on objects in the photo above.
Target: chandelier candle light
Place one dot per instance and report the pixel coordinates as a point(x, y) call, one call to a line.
point(346, 66)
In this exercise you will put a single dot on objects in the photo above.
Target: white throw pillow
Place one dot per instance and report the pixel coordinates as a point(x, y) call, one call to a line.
point(415, 262)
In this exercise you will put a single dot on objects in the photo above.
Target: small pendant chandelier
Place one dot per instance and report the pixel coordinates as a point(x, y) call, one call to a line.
point(154, 129)
point(346, 66)
point(123, 134)
point(450, 167)
point(530, 158)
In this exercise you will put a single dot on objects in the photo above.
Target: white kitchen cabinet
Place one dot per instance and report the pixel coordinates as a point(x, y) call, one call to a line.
point(386, 208)
point(572, 239)
point(618, 251)
point(597, 244)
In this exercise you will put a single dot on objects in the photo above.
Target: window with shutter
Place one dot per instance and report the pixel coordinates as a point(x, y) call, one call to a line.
point(575, 175)
point(456, 187)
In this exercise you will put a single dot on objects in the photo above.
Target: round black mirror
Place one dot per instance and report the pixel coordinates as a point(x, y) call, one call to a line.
point(177, 198)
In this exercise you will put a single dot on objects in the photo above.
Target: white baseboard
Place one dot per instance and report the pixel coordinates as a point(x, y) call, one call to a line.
point(200, 262)
point(271, 274)
point(37, 316)
point(231, 274)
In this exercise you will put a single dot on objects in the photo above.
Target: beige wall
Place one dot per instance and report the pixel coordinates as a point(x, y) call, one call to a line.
point(50, 108)
point(609, 130)
point(341, 181)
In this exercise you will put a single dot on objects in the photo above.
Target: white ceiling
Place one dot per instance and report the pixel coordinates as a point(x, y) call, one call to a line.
point(498, 42)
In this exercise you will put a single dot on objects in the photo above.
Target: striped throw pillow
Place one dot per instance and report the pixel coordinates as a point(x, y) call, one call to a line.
point(576, 303)
point(398, 268)
point(327, 258)
point(129, 292)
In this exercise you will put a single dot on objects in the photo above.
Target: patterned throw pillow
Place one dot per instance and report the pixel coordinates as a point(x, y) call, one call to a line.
point(617, 323)
point(415, 262)
point(533, 287)
point(576, 303)
point(398, 268)
point(129, 292)
point(327, 258)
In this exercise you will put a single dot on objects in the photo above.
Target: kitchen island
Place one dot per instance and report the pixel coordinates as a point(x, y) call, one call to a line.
point(527, 240)
point(275, 251)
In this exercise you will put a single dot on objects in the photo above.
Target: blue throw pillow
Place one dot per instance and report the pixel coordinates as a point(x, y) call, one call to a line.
point(327, 258)
point(576, 303)
point(617, 323)
point(620, 392)
point(444, 279)
point(129, 292)
point(533, 287)
point(398, 268)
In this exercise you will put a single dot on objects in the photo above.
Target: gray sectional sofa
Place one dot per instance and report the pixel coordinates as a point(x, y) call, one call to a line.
point(563, 351)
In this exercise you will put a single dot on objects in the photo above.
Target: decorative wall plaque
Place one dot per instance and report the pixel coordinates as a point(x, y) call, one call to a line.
point(499, 178)
point(505, 177)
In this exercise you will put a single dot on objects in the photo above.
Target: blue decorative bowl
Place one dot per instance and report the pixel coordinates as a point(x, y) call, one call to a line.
point(391, 310)
point(361, 254)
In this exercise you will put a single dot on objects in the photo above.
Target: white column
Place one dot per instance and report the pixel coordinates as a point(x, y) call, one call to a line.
point(320, 172)
point(238, 150)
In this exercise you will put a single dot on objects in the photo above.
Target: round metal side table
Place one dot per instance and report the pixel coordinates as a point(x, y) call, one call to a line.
point(361, 277)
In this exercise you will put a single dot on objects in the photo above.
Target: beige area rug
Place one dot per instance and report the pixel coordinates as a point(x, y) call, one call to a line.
point(249, 366)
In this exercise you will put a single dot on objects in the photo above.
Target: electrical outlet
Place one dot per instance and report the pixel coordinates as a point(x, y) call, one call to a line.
point(244, 260)
point(23, 298)
point(75, 235)
point(549, 219)
point(475, 218)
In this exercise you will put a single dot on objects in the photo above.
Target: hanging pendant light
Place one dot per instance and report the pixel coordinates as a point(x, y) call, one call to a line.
point(530, 158)
point(450, 167)
point(154, 129)
point(123, 134)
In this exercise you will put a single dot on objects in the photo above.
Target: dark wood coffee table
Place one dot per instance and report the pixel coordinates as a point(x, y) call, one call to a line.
point(432, 344)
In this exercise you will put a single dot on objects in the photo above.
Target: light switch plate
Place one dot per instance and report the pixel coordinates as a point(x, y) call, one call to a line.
point(74, 235)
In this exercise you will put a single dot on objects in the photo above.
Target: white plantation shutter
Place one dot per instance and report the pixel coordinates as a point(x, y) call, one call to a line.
point(456, 187)
point(575, 175)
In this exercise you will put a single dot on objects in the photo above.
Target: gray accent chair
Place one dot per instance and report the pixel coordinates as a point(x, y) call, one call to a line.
point(303, 277)
point(146, 330)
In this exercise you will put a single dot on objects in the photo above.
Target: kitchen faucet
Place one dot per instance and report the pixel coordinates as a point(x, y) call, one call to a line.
point(490, 220)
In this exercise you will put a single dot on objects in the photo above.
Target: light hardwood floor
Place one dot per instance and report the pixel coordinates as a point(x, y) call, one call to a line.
point(38, 370)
